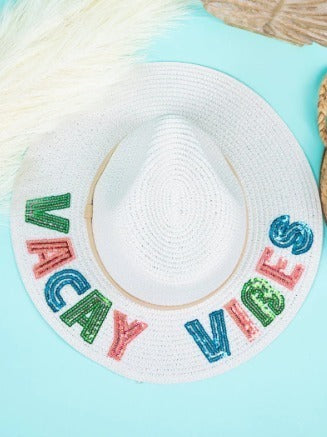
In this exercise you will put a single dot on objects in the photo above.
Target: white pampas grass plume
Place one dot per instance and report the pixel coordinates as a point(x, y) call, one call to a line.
point(58, 57)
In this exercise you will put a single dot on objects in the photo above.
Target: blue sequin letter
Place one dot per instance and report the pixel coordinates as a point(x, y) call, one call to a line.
point(214, 348)
point(58, 281)
point(297, 234)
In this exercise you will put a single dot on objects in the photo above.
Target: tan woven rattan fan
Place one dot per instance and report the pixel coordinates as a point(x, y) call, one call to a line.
point(322, 124)
point(297, 21)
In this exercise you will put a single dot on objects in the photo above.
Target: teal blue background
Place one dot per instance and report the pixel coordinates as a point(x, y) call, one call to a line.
point(48, 389)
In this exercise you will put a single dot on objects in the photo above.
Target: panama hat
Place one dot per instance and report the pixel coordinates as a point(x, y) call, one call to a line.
point(174, 234)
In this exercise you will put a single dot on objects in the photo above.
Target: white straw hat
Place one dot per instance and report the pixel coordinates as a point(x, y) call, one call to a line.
point(173, 235)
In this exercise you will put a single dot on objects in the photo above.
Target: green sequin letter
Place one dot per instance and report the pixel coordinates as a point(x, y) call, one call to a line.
point(264, 302)
point(90, 313)
point(36, 212)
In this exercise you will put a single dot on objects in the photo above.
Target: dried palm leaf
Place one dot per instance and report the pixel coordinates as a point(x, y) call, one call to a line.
point(297, 21)
point(322, 124)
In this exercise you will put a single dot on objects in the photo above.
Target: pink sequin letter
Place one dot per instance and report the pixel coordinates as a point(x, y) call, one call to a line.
point(276, 273)
point(52, 254)
point(241, 318)
point(124, 333)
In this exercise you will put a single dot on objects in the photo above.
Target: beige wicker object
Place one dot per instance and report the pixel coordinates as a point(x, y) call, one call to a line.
point(322, 123)
point(297, 21)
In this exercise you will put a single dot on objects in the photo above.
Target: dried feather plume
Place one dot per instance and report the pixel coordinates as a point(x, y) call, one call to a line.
point(322, 125)
point(57, 57)
point(296, 21)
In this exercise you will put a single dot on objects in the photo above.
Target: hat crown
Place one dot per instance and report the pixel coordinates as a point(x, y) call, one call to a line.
point(170, 209)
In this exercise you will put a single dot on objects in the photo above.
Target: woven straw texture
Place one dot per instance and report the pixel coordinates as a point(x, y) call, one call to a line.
point(193, 145)
point(322, 125)
point(297, 21)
